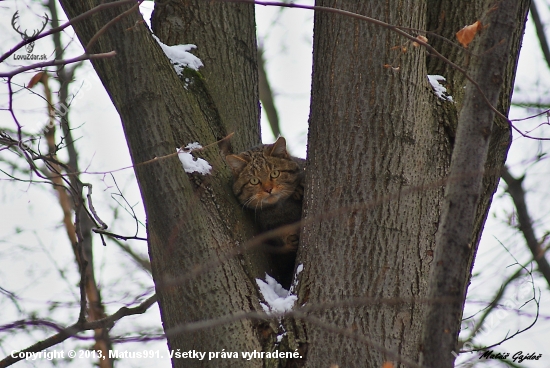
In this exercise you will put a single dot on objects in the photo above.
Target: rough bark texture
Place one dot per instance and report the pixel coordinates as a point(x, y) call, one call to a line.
point(379, 148)
point(226, 40)
point(371, 137)
point(191, 219)
point(466, 197)
point(376, 132)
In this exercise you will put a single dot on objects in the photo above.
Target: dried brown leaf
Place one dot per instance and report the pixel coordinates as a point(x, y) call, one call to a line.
point(467, 34)
point(35, 79)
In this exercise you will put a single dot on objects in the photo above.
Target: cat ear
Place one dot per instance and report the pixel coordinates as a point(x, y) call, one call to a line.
point(278, 149)
point(236, 163)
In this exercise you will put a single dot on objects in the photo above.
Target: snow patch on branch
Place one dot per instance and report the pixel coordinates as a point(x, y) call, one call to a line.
point(180, 57)
point(192, 164)
point(439, 90)
point(277, 299)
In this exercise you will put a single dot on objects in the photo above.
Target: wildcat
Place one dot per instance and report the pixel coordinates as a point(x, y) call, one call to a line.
point(270, 183)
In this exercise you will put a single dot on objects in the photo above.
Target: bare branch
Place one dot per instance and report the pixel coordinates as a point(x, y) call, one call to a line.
point(23, 324)
point(540, 32)
point(266, 95)
point(71, 331)
point(496, 299)
point(454, 245)
point(141, 261)
point(91, 206)
point(508, 337)
point(494, 303)
point(116, 236)
point(398, 30)
point(515, 189)
point(65, 25)
point(44, 64)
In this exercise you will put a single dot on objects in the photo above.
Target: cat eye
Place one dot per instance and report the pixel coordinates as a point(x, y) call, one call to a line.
point(254, 181)
point(275, 173)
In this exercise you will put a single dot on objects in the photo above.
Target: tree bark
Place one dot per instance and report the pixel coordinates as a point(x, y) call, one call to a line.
point(192, 220)
point(466, 198)
point(375, 154)
point(379, 151)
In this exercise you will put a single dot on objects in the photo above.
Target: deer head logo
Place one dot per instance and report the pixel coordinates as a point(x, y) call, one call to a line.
point(24, 35)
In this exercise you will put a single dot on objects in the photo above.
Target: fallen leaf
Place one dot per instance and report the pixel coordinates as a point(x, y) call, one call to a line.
point(466, 34)
point(388, 365)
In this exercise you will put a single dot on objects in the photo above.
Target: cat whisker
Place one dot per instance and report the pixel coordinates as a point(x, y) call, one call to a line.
point(260, 203)
point(285, 193)
point(248, 201)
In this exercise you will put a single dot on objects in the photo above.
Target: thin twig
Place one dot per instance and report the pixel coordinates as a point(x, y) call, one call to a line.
point(143, 262)
point(261, 240)
point(57, 62)
point(91, 206)
point(398, 30)
point(107, 322)
point(116, 236)
point(266, 95)
point(103, 29)
point(495, 302)
point(65, 25)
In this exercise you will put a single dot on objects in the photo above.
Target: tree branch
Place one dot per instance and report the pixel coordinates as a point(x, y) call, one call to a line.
point(65, 25)
point(515, 189)
point(540, 32)
point(44, 64)
point(454, 239)
point(266, 95)
point(68, 332)
point(398, 30)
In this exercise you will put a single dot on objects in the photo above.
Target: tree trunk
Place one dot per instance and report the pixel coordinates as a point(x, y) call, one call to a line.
point(379, 149)
point(375, 157)
point(192, 220)
point(454, 250)
point(379, 152)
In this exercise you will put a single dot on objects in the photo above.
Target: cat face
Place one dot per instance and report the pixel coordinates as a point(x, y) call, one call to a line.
point(264, 175)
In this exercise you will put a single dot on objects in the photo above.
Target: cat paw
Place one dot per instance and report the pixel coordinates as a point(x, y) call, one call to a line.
point(291, 243)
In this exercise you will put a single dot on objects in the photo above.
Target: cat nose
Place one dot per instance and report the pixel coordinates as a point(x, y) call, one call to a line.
point(268, 189)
